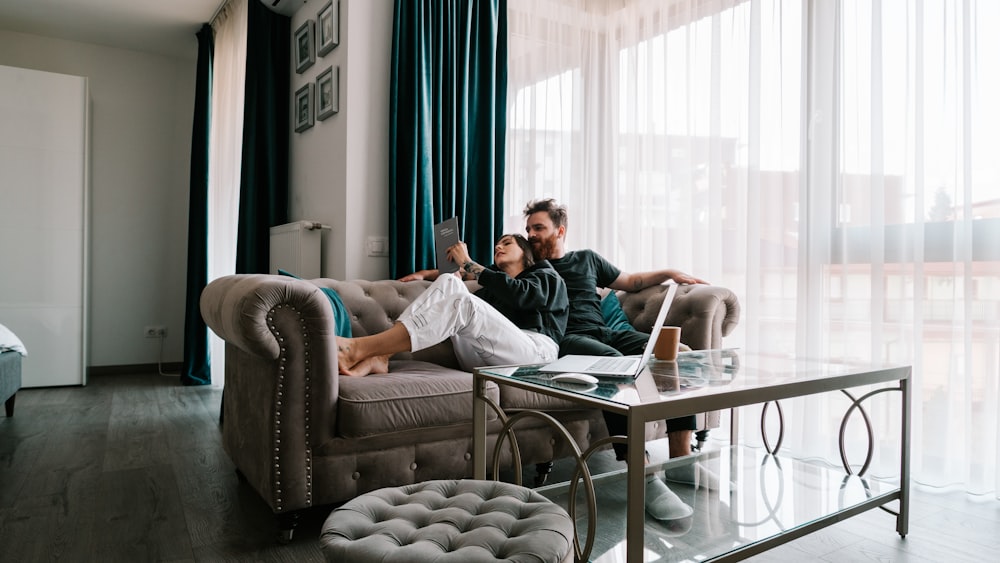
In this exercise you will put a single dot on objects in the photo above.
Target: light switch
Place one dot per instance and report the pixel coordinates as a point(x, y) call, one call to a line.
point(378, 246)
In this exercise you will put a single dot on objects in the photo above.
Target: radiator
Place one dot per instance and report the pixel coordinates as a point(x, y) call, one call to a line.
point(297, 248)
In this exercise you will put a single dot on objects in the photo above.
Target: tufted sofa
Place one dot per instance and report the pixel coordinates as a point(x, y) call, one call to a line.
point(303, 436)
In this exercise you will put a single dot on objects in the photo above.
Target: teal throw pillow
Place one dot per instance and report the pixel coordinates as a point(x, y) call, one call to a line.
point(614, 316)
point(340, 312)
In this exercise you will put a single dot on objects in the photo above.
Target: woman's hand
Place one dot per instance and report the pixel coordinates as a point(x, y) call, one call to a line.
point(459, 254)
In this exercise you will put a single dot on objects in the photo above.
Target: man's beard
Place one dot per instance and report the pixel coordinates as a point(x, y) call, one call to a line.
point(543, 248)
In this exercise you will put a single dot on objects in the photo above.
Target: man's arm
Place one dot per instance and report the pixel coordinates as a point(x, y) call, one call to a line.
point(641, 280)
point(429, 275)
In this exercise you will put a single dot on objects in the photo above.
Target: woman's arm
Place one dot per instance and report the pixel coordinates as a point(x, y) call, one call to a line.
point(429, 275)
point(533, 289)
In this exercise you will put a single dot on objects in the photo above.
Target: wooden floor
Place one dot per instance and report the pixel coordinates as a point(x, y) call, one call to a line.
point(130, 468)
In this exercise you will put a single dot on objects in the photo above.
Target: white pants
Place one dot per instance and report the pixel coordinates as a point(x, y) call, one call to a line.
point(480, 334)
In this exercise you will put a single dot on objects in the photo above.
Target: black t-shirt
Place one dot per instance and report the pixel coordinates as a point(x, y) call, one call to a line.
point(584, 271)
point(535, 300)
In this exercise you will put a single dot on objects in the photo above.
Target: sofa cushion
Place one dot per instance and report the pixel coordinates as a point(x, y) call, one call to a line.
point(514, 398)
point(341, 315)
point(413, 395)
point(614, 316)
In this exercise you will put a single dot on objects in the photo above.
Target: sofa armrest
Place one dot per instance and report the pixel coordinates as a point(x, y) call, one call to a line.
point(705, 313)
point(280, 399)
point(284, 329)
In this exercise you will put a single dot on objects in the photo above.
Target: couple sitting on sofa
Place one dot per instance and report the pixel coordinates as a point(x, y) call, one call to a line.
point(530, 312)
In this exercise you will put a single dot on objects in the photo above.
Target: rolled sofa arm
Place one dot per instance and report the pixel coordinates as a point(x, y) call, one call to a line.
point(705, 313)
point(281, 379)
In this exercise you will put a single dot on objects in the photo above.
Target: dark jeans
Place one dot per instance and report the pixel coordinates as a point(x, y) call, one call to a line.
point(603, 341)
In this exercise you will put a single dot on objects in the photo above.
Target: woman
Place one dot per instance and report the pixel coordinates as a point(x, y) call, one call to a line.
point(517, 317)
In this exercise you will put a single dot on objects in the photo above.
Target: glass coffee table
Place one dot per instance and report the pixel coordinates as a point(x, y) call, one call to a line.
point(764, 500)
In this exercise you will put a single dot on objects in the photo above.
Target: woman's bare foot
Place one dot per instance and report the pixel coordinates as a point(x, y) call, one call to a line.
point(380, 364)
point(346, 354)
point(375, 364)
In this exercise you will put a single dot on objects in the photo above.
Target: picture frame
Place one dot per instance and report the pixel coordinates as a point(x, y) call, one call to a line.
point(305, 46)
point(327, 93)
point(303, 110)
point(329, 27)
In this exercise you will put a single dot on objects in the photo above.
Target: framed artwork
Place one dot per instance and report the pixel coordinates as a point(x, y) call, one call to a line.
point(329, 27)
point(327, 93)
point(305, 46)
point(304, 108)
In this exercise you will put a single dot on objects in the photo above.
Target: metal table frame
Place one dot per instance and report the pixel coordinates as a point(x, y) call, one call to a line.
point(794, 378)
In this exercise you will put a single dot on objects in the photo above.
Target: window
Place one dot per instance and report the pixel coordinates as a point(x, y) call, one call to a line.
point(832, 162)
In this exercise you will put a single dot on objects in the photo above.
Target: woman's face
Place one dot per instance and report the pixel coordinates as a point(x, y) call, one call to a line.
point(507, 252)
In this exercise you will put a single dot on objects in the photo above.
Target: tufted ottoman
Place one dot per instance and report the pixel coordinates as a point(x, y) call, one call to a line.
point(460, 521)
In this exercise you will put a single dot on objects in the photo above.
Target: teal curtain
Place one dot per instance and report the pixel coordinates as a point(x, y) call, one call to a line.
point(448, 104)
point(197, 368)
point(264, 167)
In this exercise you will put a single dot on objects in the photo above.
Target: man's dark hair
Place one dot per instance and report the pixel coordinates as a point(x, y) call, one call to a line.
point(528, 260)
point(556, 212)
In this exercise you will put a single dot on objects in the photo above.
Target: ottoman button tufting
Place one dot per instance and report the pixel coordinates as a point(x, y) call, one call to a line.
point(467, 519)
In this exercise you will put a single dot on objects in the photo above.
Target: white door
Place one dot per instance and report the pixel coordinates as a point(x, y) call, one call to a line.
point(43, 221)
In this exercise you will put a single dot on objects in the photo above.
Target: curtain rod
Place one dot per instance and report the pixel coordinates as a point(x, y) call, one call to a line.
point(222, 5)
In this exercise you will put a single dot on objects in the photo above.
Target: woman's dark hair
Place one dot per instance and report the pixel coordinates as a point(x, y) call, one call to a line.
point(528, 258)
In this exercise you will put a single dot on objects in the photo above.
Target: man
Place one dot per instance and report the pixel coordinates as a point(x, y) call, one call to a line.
point(586, 333)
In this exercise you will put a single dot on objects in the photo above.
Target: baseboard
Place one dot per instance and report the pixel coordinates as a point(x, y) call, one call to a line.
point(173, 368)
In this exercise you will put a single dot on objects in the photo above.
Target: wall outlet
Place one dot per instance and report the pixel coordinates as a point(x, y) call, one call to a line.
point(154, 331)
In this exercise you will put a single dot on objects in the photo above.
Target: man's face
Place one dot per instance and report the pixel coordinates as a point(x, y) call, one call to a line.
point(542, 235)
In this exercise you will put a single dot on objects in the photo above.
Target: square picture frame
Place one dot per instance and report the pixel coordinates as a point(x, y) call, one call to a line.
point(329, 27)
point(303, 110)
point(327, 93)
point(305, 46)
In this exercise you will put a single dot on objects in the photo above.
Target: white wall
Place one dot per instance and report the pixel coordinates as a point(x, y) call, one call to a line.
point(142, 110)
point(141, 119)
point(339, 167)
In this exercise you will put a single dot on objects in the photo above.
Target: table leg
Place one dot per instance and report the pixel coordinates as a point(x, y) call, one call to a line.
point(903, 519)
point(636, 490)
point(478, 426)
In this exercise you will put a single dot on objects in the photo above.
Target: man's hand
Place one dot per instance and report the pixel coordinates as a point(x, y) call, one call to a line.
point(642, 280)
point(682, 278)
point(429, 275)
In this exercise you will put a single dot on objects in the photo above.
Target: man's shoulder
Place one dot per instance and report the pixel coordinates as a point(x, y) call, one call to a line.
point(584, 254)
point(587, 255)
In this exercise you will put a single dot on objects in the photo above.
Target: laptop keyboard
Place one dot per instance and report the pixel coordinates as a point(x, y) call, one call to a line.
point(612, 364)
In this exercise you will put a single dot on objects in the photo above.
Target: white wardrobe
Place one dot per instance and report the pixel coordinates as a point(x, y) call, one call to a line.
point(44, 211)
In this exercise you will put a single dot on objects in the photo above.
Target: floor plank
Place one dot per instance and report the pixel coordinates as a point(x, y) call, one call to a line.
point(131, 468)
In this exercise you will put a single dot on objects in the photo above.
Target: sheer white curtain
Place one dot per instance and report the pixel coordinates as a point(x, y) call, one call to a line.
point(225, 151)
point(832, 162)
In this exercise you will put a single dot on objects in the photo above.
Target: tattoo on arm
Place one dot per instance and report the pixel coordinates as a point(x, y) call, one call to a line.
point(473, 268)
point(637, 283)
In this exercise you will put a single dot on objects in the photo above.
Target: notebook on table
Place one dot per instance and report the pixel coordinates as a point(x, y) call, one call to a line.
point(616, 366)
point(445, 236)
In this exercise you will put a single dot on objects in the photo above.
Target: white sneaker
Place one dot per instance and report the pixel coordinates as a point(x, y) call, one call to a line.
point(694, 474)
point(662, 503)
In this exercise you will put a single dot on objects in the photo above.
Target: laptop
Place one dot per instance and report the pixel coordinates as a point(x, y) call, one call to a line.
point(616, 366)
point(445, 236)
